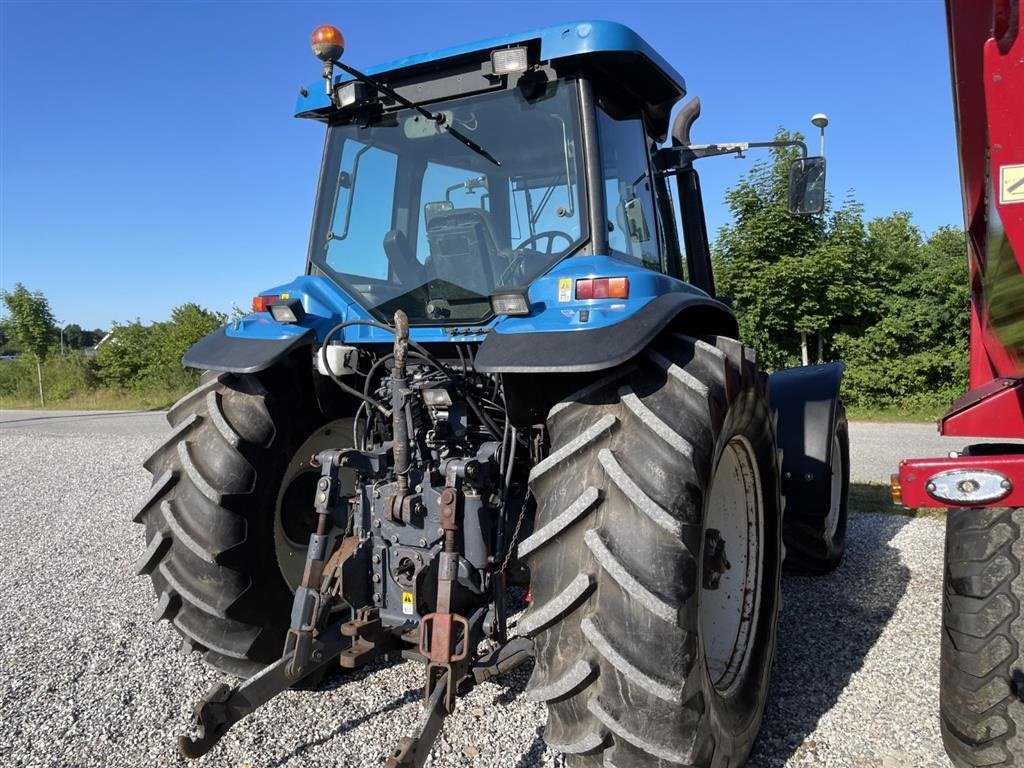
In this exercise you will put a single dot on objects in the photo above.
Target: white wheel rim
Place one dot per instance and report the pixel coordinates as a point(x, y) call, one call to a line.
point(729, 612)
point(836, 496)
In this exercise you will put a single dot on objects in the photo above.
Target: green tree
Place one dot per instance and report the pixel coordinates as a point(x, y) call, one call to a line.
point(32, 325)
point(146, 357)
point(171, 340)
point(122, 359)
point(914, 353)
point(792, 278)
point(93, 337)
point(73, 336)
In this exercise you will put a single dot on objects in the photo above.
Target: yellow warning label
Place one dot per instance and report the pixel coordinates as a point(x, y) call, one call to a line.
point(1011, 184)
point(565, 289)
point(408, 604)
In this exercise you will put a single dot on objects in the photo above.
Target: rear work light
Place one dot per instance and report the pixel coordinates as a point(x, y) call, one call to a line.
point(508, 60)
point(287, 311)
point(602, 288)
point(262, 303)
point(510, 303)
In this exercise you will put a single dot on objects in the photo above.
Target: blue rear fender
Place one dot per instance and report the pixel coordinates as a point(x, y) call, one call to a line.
point(561, 334)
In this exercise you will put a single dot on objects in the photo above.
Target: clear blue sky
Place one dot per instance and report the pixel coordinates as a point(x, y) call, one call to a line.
point(149, 157)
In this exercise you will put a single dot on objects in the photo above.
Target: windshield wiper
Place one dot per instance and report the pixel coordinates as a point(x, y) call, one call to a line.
point(440, 119)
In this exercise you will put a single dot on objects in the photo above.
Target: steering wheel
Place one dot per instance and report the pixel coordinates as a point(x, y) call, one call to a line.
point(550, 235)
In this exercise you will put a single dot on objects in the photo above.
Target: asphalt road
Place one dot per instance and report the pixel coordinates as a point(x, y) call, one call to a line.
point(86, 679)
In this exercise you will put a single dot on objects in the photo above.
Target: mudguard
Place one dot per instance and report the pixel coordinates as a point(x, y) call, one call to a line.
point(220, 352)
point(805, 401)
point(581, 351)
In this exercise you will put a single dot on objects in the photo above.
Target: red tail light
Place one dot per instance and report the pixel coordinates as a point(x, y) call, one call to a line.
point(602, 288)
point(262, 303)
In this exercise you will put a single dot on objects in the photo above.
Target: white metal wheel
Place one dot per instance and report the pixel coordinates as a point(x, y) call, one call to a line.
point(836, 496)
point(731, 571)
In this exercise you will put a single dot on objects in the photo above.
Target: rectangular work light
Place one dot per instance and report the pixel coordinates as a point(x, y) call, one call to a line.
point(509, 60)
point(289, 311)
point(347, 94)
point(510, 303)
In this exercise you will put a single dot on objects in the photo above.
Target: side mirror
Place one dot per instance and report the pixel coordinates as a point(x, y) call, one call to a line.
point(807, 186)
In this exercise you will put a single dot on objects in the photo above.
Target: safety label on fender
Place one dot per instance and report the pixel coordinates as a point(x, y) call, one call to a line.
point(1011, 184)
point(408, 604)
point(565, 289)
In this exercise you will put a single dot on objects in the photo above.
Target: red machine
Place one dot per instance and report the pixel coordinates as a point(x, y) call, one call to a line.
point(982, 672)
point(987, 56)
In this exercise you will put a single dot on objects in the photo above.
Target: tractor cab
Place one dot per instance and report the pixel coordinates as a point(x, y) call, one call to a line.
point(453, 178)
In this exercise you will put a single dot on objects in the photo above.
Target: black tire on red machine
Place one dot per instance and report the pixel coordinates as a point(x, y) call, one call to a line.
point(225, 517)
point(658, 514)
point(981, 688)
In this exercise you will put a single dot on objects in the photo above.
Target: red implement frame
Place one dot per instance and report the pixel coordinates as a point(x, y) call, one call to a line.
point(986, 43)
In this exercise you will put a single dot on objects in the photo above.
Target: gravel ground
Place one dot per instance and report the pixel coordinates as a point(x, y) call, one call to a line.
point(876, 448)
point(88, 680)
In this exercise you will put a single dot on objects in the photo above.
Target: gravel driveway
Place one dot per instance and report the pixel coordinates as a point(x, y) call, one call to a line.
point(88, 680)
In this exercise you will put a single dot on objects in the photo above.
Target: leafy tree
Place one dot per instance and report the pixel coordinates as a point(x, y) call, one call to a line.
point(915, 352)
point(790, 277)
point(93, 337)
point(32, 325)
point(73, 336)
point(189, 323)
point(139, 356)
point(121, 361)
point(877, 294)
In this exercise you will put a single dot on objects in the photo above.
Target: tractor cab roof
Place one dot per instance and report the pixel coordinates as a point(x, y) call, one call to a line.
point(626, 71)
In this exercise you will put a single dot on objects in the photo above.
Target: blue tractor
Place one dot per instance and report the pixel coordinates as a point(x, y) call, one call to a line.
point(505, 365)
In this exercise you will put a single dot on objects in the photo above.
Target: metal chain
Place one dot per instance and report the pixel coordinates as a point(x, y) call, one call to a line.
point(515, 533)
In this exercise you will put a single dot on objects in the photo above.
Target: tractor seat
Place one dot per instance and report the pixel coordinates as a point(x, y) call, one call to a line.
point(463, 249)
point(404, 266)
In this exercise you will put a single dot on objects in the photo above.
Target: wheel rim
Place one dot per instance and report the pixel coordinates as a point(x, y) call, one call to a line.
point(731, 572)
point(836, 497)
point(294, 519)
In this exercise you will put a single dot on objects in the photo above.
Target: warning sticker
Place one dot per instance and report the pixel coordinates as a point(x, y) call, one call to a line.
point(1011, 184)
point(408, 604)
point(565, 289)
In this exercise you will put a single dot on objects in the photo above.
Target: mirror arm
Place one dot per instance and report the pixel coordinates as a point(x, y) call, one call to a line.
point(673, 160)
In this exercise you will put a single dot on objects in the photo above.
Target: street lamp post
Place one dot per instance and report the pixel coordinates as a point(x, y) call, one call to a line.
point(820, 120)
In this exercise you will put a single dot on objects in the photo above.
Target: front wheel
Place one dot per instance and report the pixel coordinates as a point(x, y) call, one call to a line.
point(655, 561)
point(981, 690)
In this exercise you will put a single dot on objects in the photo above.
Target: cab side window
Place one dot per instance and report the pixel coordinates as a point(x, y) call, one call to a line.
point(365, 194)
point(633, 229)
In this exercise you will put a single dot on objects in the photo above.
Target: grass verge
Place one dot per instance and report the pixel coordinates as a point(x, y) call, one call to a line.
point(99, 400)
point(874, 497)
point(900, 415)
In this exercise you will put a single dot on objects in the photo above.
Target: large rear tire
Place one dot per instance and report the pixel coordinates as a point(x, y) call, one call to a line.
point(982, 678)
point(217, 513)
point(651, 650)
